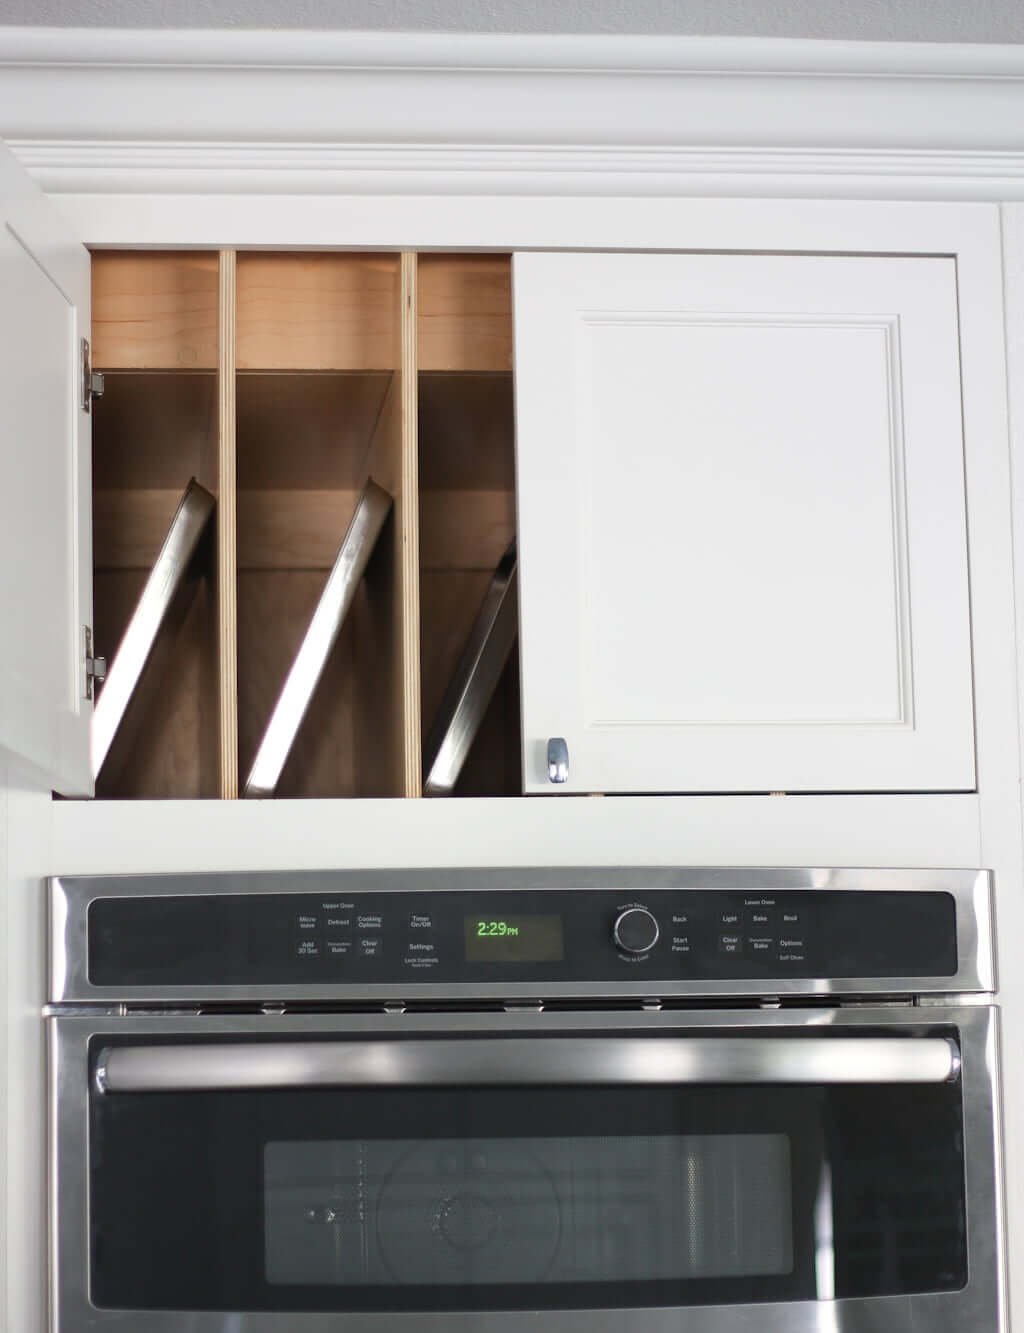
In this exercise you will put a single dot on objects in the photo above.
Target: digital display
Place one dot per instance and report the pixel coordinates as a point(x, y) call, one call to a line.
point(514, 939)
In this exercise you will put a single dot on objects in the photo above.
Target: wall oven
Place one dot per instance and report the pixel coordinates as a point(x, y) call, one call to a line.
point(668, 1101)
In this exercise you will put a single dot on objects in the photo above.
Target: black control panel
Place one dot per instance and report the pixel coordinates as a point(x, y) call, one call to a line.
point(550, 936)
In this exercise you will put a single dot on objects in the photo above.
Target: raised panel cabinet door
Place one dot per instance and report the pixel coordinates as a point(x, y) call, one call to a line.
point(45, 490)
point(742, 535)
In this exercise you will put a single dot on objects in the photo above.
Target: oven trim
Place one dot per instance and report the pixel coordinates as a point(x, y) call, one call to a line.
point(981, 1304)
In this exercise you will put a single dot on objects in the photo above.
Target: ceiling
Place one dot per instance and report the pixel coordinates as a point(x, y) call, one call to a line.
point(866, 20)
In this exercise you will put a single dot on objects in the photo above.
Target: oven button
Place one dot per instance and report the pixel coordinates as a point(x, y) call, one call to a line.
point(635, 930)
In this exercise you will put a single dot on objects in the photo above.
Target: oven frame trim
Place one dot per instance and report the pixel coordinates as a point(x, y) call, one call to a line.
point(972, 891)
point(981, 1304)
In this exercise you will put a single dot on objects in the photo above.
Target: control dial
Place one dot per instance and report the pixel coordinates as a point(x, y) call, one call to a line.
point(635, 930)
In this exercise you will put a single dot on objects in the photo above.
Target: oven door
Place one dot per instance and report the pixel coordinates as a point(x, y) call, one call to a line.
point(709, 1173)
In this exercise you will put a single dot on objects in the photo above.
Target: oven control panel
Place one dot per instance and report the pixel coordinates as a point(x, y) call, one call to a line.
point(545, 936)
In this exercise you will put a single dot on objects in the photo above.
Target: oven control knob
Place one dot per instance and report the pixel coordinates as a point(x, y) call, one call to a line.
point(635, 930)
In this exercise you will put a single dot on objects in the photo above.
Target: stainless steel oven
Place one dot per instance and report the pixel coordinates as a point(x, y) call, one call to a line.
point(697, 1101)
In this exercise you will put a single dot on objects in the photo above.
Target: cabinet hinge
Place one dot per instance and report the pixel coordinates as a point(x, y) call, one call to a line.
point(95, 667)
point(92, 380)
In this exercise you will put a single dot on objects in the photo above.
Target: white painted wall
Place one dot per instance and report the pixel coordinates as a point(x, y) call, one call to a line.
point(866, 20)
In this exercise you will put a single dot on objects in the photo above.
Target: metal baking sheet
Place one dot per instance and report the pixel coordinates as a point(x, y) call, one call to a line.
point(475, 680)
point(349, 566)
point(151, 615)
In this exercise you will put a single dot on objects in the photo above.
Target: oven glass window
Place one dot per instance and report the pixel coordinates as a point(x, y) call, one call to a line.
point(443, 1212)
point(523, 1197)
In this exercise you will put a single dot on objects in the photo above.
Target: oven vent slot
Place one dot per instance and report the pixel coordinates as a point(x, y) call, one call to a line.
point(558, 1005)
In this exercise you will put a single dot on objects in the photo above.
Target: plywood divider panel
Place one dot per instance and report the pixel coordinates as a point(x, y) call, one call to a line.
point(408, 581)
point(209, 707)
point(154, 311)
point(317, 312)
point(465, 312)
point(226, 589)
point(387, 616)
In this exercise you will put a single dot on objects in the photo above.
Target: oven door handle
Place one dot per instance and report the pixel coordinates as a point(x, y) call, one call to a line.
point(230, 1066)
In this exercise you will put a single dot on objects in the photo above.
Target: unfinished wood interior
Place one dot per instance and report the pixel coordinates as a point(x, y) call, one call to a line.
point(465, 313)
point(305, 449)
point(155, 340)
point(154, 311)
point(317, 352)
point(283, 382)
point(309, 312)
point(466, 490)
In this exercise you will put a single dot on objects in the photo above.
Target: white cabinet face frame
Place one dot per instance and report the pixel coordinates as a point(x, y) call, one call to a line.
point(742, 530)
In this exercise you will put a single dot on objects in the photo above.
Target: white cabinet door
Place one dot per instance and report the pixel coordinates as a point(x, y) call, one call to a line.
point(742, 546)
point(45, 490)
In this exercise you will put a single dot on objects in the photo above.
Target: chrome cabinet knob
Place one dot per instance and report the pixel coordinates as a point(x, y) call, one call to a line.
point(558, 759)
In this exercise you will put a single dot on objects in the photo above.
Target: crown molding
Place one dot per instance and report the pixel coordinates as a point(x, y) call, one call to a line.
point(581, 53)
point(93, 112)
point(198, 169)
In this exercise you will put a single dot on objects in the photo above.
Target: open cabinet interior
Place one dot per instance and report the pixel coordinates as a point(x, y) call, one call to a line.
point(284, 383)
point(318, 356)
point(466, 491)
point(154, 337)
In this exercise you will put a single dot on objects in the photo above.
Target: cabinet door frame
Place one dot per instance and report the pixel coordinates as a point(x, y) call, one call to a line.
point(47, 714)
point(597, 507)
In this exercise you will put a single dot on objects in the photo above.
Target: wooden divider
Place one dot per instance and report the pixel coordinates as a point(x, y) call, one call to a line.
point(409, 578)
point(227, 540)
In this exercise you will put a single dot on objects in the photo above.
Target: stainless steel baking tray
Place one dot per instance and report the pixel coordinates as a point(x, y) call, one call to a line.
point(349, 566)
point(152, 613)
point(475, 680)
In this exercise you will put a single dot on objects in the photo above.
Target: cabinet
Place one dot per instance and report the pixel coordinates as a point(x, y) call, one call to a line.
point(742, 523)
point(739, 481)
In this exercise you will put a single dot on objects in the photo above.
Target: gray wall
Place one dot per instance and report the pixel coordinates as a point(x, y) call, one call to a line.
point(869, 20)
